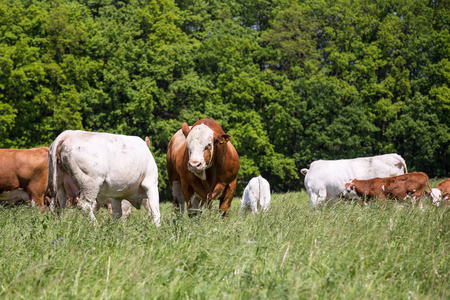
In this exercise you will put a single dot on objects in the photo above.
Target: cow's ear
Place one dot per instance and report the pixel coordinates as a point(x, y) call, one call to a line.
point(224, 138)
point(185, 129)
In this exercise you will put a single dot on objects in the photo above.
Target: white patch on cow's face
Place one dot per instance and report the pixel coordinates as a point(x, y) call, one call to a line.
point(436, 196)
point(200, 138)
point(349, 191)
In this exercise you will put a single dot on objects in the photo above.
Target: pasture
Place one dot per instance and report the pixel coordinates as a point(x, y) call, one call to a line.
point(343, 251)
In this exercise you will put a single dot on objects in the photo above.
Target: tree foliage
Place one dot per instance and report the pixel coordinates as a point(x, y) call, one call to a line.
point(291, 81)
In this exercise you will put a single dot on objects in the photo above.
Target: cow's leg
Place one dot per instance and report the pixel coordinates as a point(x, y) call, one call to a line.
point(37, 199)
point(36, 190)
point(60, 189)
point(225, 205)
point(265, 201)
point(62, 197)
point(193, 206)
point(116, 208)
point(178, 197)
point(126, 208)
point(150, 185)
point(419, 195)
point(87, 203)
point(254, 203)
point(228, 194)
point(317, 198)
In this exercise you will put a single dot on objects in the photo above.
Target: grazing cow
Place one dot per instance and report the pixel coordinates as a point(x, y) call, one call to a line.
point(202, 166)
point(256, 193)
point(325, 179)
point(441, 193)
point(104, 166)
point(23, 175)
point(410, 185)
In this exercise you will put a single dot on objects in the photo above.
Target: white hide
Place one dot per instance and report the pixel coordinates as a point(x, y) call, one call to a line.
point(326, 179)
point(105, 166)
point(256, 194)
point(198, 139)
point(436, 196)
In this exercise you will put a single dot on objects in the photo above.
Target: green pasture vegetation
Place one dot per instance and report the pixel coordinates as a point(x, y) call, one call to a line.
point(340, 251)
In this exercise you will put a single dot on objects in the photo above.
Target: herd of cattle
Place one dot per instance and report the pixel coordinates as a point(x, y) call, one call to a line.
point(92, 169)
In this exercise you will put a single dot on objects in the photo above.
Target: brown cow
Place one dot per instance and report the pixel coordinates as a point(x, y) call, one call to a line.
point(441, 194)
point(399, 187)
point(23, 175)
point(202, 166)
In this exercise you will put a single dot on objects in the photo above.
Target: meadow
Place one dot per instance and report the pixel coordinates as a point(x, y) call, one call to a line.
point(340, 251)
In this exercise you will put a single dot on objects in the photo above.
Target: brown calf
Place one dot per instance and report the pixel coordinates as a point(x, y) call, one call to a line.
point(399, 187)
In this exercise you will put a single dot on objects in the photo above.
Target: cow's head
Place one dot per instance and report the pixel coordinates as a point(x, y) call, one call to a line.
point(436, 196)
point(201, 143)
point(350, 190)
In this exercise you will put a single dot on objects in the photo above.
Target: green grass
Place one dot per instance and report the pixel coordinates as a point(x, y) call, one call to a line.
point(340, 251)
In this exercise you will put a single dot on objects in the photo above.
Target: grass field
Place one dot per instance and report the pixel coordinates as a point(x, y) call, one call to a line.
point(340, 251)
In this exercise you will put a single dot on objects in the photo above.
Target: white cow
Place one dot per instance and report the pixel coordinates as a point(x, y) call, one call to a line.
point(325, 179)
point(104, 166)
point(256, 193)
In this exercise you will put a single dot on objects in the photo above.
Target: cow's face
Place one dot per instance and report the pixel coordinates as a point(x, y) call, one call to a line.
point(350, 190)
point(200, 145)
point(435, 195)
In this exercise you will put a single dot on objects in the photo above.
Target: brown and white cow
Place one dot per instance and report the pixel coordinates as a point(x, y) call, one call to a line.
point(202, 166)
point(410, 185)
point(441, 194)
point(23, 175)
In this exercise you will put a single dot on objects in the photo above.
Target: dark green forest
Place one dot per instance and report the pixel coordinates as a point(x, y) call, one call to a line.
point(291, 81)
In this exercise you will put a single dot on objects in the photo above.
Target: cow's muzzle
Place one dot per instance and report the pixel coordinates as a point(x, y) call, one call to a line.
point(195, 166)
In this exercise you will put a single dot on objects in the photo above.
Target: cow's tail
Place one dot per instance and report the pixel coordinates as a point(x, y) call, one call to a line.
point(53, 169)
point(402, 165)
point(429, 186)
point(259, 182)
point(304, 171)
point(405, 169)
point(428, 183)
point(147, 141)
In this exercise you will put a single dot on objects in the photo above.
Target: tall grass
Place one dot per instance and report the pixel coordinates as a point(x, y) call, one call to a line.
point(344, 251)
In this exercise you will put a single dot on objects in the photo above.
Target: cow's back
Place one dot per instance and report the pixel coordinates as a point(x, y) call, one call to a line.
point(121, 161)
point(444, 186)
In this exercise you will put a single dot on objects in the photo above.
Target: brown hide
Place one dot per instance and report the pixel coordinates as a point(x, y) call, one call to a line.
point(395, 187)
point(444, 187)
point(221, 176)
point(25, 169)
